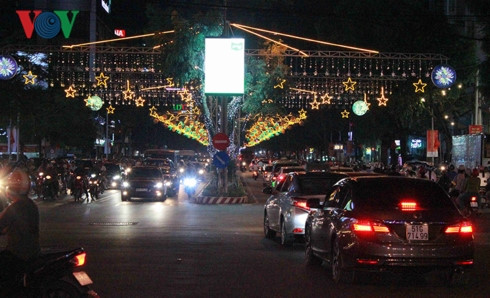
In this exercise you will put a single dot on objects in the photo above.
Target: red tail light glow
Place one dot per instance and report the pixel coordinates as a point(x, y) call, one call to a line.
point(408, 206)
point(367, 261)
point(300, 203)
point(281, 177)
point(369, 227)
point(464, 228)
point(80, 259)
point(473, 198)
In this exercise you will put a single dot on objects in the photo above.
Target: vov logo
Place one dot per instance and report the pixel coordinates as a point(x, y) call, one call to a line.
point(47, 24)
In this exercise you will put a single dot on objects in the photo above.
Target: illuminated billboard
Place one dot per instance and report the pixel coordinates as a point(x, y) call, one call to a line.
point(224, 66)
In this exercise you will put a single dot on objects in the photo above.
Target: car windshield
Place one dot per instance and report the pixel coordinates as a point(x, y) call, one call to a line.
point(145, 173)
point(316, 185)
point(382, 194)
point(112, 168)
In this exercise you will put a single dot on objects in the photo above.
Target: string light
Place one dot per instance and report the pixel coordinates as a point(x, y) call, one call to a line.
point(116, 39)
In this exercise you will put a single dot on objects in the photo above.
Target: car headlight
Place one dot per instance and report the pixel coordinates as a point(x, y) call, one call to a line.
point(190, 182)
point(201, 171)
point(125, 184)
point(116, 177)
point(158, 185)
point(181, 170)
point(93, 175)
point(168, 183)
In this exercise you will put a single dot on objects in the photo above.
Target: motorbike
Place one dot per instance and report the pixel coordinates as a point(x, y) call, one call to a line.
point(50, 187)
point(78, 188)
point(39, 184)
point(53, 274)
point(255, 174)
point(94, 186)
point(243, 166)
point(190, 184)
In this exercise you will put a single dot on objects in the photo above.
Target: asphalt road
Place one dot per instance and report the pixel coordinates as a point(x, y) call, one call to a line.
point(180, 249)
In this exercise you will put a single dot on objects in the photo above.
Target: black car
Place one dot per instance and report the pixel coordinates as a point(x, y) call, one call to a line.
point(389, 223)
point(144, 182)
point(114, 174)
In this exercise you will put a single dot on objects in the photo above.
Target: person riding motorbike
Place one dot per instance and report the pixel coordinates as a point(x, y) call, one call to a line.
point(20, 222)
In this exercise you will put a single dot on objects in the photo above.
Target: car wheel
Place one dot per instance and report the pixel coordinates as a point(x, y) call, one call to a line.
point(268, 232)
point(339, 274)
point(285, 238)
point(310, 258)
point(456, 277)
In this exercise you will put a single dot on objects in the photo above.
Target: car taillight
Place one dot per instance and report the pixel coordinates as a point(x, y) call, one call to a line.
point(280, 177)
point(367, 227)
point(464, 228)
point(79, 260)
point(300, 203)
point(408, 206)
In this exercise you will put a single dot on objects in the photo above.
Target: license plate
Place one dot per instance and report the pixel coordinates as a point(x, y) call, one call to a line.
point(82, 278)
point(417, 232)
point(474, 204)
point(141, 189)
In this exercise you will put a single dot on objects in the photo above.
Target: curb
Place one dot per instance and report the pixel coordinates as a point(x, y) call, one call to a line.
point(221, 200)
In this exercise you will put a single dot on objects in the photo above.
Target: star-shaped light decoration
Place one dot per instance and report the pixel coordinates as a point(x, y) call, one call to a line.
point(419, 86)
point(170, 82)
point(30, 78)
point(102, 80)
point(110, 109)
point(153, 111)
point(140, 101)
point(349, 84)
point(326, 98)
point(302, 114)
point(266, 101)
point(185, 95)
point(345, 114)
point(368, 104)
point(70, 92)
point(128, 94)
point(382, 100)
point(315, 105)
point(280, 85)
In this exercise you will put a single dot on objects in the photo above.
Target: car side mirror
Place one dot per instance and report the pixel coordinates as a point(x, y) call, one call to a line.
point(313, 203)
point(267, 190)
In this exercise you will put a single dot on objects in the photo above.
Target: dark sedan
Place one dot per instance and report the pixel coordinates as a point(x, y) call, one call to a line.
point(144, 182)
point(389, 223)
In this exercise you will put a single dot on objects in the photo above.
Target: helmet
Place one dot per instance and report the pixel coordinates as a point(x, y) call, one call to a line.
point(18, 182)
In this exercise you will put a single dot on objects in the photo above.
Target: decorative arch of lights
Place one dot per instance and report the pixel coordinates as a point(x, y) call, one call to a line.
point(135, 76)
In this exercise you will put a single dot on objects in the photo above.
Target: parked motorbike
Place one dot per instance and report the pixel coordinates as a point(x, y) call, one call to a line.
point(190, 184)
point(51, 275)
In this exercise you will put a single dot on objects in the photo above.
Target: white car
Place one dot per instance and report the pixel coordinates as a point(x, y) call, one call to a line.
point(286, 210)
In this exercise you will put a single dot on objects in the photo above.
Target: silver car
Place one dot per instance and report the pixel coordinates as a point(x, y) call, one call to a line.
point(285, 211)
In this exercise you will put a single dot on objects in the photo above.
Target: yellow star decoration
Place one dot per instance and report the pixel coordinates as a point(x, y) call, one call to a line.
point(70, 92)
point(139, 101)
point(280, 85)
point(86, 101)
point(265, 101)
point(170, 82)
point(315, 105)
point(102, 80)
point(419, 86)
point(128, 94)
point(30, 78)
point(382, 100)
point(349, 84)
point(185, 95)
point(153, 111)
point(326, 98)
point(302, 114)
point(345, 114)
point(110, 109)
point(368, 104)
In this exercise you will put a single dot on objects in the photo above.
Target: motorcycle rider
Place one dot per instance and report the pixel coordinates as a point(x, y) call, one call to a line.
point(20, 222)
